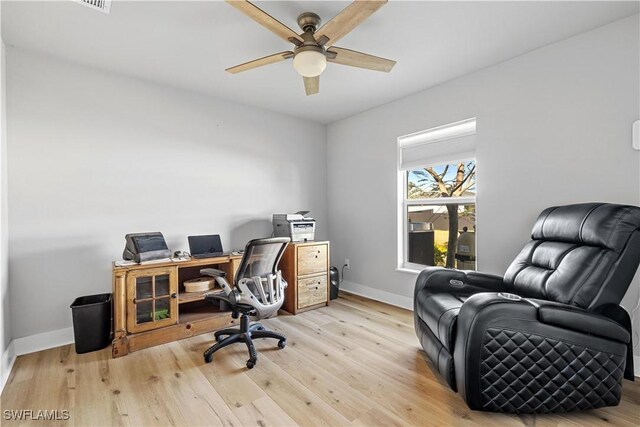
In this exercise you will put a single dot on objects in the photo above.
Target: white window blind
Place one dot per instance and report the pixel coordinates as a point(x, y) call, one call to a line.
point(444, 144)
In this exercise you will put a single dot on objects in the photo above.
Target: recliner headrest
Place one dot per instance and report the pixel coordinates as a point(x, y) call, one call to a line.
point(594, 224)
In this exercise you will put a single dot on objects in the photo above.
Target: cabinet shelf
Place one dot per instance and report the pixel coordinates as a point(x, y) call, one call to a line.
point(198, 311)
point(186, 297)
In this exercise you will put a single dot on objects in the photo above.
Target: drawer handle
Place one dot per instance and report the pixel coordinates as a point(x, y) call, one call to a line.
point(316, 256)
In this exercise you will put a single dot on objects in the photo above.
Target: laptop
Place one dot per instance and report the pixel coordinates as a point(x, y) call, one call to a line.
point(208, 246)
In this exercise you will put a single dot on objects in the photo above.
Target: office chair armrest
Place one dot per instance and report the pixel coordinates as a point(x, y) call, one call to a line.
point(217, 296)
point(220, 275)
point(213, 272)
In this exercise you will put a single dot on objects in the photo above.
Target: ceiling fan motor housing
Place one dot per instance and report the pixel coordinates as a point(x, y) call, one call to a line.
point(309, 21)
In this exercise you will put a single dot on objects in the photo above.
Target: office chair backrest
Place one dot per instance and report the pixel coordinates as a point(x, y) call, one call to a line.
point(261, 257)
point(584, 255)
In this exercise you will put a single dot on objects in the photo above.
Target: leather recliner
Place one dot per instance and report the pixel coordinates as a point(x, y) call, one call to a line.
point(550, 335)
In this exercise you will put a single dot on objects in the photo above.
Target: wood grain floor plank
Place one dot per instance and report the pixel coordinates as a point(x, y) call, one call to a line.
point(386, 311)
point(225, 374)
point(365, 378)
point(263, 412)
point(298, 401)
point(356, 362)
point(348, 402)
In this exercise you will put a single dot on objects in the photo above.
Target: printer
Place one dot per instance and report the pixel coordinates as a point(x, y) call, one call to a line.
point(297, 226)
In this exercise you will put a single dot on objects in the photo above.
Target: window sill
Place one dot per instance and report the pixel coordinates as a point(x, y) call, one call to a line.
point(408, 270)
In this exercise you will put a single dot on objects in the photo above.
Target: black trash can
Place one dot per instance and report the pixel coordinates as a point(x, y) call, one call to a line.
point(334, 278)
point(91, 322)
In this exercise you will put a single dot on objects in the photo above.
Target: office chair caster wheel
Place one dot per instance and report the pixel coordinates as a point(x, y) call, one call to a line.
point(250, 364)
point(208, 358)
point(282, 343)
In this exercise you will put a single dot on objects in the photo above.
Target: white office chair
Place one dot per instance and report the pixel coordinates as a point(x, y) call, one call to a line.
point(258, 294)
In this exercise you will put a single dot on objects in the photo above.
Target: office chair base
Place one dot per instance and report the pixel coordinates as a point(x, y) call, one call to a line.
point(245, 333)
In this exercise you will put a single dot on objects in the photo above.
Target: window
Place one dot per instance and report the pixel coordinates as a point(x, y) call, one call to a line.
point(437, 198)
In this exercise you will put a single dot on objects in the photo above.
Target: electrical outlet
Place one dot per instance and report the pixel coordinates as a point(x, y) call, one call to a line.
point(347, 263)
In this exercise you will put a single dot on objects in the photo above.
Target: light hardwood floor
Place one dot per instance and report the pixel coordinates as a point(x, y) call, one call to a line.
point(356, 362)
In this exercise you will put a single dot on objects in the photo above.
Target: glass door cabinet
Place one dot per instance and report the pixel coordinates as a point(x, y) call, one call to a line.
point(152, 299)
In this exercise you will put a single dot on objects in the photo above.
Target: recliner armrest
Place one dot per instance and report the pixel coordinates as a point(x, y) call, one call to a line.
point(441, 279)
point(491, 282)
point(579, 319)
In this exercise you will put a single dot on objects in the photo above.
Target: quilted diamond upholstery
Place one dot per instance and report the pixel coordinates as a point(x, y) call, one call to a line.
point(527, 373)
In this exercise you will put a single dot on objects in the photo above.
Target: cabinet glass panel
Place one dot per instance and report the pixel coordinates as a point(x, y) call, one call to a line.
point(163, 308)
point(144, 312)
point(144, 287)
point(162, 285)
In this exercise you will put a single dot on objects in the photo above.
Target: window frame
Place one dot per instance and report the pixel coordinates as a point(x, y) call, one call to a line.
point(405, 202)
point(438, 134)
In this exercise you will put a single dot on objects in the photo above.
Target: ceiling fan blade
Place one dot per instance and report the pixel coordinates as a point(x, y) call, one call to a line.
point(264, 19)
point(271, 59)
point(311, 85)
point(359, 59)
point(352, 16)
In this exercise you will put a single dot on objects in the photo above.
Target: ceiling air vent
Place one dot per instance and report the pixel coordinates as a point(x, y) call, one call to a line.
point(103, 6)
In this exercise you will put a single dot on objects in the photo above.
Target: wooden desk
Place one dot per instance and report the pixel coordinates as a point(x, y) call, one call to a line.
point(150, 306)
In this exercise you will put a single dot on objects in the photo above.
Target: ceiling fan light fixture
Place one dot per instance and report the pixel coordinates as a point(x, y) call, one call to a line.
point(316, 45)
point(309, 62)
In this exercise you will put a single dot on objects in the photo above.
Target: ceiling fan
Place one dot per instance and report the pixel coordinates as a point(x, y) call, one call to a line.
point(316, 45)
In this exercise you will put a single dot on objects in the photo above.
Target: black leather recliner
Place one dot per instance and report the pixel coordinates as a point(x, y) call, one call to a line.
point(548, 337)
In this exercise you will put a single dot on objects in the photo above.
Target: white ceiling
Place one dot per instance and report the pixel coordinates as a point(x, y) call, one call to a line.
point(189, 44)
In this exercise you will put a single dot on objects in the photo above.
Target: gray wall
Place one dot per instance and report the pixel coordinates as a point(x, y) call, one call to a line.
point(94, 155)
point(554, 127)
point(5, 321)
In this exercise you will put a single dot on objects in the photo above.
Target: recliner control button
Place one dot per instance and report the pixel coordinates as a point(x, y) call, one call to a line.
point(512, 297)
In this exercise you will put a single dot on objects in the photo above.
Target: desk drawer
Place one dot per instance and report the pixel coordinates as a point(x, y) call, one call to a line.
point(312, 259)
point(312, 290)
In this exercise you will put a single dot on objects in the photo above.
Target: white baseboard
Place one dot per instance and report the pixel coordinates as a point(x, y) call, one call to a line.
point(8, 359)
point(377, 294)
point(31, 344)
point(636, 366)
point(43, 341)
